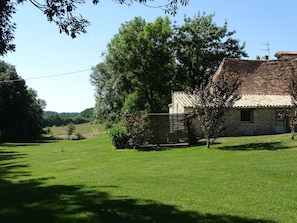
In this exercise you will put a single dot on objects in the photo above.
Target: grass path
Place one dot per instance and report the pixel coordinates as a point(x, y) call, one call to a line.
point(243, 179)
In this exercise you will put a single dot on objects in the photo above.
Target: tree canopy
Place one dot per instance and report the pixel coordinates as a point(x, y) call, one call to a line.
point(58, 119)
point(145, 61)
point(64, 14)
point(20, 109)
point(199, 47)
point(137, 71)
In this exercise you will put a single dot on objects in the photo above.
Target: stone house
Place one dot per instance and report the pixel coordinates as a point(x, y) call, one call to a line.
point(265, 95)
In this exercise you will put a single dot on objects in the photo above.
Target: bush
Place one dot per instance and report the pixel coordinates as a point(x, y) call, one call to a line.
point(79, 136)
point(192, 132)
point(138, 127)
point(70, 129)
point(119, 137)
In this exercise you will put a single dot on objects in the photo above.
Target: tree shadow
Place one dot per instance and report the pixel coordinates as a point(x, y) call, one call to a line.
point(255, 146)
point(10, 155)
point(25, 143)
point(33, 201)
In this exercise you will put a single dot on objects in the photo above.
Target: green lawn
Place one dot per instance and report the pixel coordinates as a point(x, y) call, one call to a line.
point(240, 179)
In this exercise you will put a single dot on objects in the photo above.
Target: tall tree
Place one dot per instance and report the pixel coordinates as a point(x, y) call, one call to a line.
point(7, 27)
point(20, 109)
point(144, 61)
point(63, 14)
point(138, 69)
point(109, 94)
point(200, 45)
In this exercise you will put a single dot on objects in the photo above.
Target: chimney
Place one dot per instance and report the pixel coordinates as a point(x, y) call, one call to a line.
point(286, 55)
point(266, 57)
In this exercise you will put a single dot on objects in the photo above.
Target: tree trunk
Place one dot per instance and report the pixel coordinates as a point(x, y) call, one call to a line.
point(293, 133)
point(207, 142)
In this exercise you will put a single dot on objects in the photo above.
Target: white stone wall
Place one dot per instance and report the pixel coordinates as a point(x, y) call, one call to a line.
point(263, 123)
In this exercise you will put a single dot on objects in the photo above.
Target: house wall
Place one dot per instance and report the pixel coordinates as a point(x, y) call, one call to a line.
point(264, 122)
point(181, 101)
point(175, 107)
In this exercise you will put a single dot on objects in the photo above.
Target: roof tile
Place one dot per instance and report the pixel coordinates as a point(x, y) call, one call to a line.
point(187, 100)
point(263, 101)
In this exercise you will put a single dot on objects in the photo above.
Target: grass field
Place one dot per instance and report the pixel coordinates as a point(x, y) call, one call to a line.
point(242, 179)
point(87, 130)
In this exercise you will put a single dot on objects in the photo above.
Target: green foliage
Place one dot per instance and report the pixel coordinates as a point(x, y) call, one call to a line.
point(192, 131)
point(60, 119)
point(20, 109)
point(79, 136)
point(138, 128)
point(47, 131)
point(130, 105)
point(133, 134)
point(145, 61)
point(109, 98)
point(199, 47)
point(69, 129)
point(118, 136)
point(137, 71)
point(7, 27)
point(87, 113)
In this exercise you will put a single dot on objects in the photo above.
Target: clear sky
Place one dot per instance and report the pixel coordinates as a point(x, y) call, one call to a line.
point(42, 51)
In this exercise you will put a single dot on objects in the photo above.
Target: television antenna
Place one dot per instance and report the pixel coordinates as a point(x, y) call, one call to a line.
point(267, 49)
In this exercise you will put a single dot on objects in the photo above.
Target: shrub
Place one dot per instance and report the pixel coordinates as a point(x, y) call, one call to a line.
point(79, 136)
point(138, 127)
point(70, 129)
point(119, 137)
point(192, 132)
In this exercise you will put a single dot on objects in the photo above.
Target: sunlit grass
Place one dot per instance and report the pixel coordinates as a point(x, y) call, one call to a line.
point(87, 130)
point(240, 179)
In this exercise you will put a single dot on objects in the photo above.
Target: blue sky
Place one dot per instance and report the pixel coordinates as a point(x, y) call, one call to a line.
point(42, 51)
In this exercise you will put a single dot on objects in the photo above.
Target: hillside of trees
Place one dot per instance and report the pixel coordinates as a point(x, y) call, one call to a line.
point(51, 118)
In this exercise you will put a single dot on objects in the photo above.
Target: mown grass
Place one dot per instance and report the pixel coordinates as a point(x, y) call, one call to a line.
point(240, 179)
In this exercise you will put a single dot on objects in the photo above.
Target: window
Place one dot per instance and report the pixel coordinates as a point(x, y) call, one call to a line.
point(246, 115)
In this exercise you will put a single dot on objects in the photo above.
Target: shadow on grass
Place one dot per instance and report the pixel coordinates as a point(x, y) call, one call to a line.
point(27, 143)
point(10, 155)
point(33, 201)
point(255, 146)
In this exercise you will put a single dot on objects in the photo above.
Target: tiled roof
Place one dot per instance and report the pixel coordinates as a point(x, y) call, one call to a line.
point(263, 101)
point(187, 100)
point(260, 77)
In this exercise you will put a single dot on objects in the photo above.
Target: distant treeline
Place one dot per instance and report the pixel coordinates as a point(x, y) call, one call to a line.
point(59, 119)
